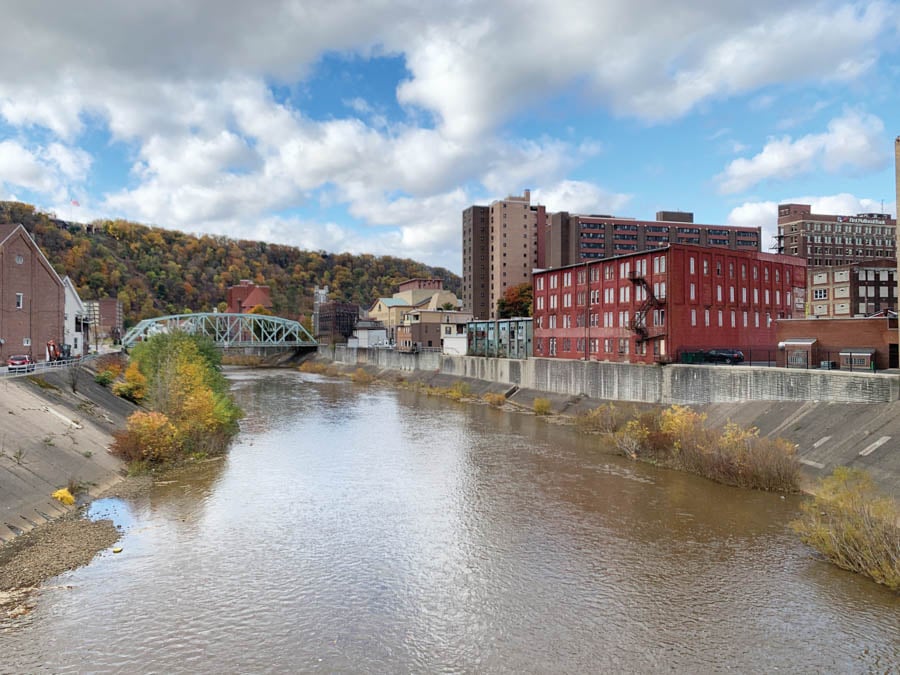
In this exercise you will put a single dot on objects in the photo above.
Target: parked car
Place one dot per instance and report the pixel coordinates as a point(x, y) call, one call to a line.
point(724, 356)
point(20, 363)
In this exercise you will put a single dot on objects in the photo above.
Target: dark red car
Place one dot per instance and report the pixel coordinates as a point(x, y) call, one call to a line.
point(20, 363)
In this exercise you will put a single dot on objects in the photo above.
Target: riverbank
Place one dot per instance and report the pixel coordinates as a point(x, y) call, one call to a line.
point(834, 419)
point(50, 438)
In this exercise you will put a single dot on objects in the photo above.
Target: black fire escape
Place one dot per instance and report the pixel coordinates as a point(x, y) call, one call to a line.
point(639, 320)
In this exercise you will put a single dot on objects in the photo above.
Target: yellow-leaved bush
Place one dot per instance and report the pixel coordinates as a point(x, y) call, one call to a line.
point(178, 376)
point(148, 436)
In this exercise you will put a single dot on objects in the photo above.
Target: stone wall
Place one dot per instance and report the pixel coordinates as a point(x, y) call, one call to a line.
point(676, 383)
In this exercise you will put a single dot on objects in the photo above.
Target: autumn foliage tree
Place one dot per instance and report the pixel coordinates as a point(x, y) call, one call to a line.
point(188, 394)
point(516, 301)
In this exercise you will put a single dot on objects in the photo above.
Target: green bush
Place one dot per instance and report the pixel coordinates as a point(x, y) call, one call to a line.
point(104, 378)
point(854, 526)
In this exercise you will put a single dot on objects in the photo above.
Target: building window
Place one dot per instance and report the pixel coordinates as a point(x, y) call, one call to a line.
point(693, 317)
point(820, 294)
point(691, 265)
point(19, 259)
point(20, 300)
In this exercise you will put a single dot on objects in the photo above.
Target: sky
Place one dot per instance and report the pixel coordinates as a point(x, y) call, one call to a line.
point(367, 126)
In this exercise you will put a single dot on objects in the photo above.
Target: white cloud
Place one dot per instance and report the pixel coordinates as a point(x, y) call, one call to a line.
point(53, 171)
point(580, 197)
point(853, 141)
point(212, 147)
point(22, 168)
point(73, 163)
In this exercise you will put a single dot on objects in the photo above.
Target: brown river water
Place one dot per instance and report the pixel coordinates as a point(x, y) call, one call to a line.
point(367, 529)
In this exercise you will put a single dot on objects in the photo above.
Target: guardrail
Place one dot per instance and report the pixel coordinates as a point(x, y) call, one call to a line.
point(47, 366)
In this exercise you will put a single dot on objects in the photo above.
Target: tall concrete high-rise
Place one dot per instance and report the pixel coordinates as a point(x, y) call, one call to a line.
point(500, 250)
point(475, 249)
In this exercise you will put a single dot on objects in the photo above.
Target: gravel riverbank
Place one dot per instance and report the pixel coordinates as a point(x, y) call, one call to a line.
point(55, 547)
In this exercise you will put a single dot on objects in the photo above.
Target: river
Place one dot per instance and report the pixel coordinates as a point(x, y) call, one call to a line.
point(366, 529)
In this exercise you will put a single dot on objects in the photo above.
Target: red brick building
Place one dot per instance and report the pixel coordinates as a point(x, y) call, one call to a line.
point(32, 296)
point(247, 295)
point(845, 344)
point(652, 306)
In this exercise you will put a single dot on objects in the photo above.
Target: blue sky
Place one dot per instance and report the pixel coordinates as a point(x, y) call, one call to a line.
point(369, 126)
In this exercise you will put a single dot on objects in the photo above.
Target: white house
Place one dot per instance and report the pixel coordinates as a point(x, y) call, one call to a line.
point(76, 323)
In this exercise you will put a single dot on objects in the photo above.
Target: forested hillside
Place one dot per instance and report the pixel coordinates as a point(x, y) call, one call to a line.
point(155, 271)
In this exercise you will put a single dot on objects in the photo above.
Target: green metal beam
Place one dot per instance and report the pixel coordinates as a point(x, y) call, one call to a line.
point(227, 330)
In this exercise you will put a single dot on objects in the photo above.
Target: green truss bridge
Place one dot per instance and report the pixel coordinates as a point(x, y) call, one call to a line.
point(227, 330)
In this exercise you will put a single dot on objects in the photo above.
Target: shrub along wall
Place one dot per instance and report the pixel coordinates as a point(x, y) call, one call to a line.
point(675, 383)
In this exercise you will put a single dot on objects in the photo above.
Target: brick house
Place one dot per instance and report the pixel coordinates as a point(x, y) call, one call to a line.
point(247, 295)
point(853, 343)
point(32, 296)
point(655, 305)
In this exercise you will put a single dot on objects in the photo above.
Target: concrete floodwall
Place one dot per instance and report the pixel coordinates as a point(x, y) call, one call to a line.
point(676, 383)
point(389, 359)
point(725, 384)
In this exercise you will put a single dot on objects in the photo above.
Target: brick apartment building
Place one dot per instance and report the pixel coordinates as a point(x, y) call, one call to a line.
point(32, 296)
point(829, 240)
point(858, 289)
point(567, 238)
point(651, 306)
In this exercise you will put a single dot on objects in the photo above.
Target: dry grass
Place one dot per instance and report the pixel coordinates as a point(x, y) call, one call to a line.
point(854, 526)
point(678, 437)
point(493, 399)
point(319, 368)
point(241, 360)
point(542, 406)
point(361, 376)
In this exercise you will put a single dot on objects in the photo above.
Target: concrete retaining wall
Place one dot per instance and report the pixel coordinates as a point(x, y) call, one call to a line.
point(683, 384)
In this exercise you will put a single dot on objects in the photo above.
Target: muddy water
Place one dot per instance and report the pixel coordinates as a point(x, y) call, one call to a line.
point(359, 529)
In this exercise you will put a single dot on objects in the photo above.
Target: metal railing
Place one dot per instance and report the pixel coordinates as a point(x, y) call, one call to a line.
point(824, 359)
point(39, 367)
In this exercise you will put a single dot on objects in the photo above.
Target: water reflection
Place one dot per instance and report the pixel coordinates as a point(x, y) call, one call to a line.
point(359, 529)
